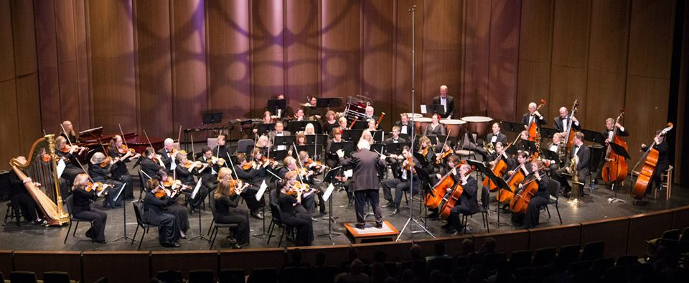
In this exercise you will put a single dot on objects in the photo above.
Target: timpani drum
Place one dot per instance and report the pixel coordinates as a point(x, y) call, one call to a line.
point(454, 127)
point(414, 115)
point(478, 124)
point(420, 124)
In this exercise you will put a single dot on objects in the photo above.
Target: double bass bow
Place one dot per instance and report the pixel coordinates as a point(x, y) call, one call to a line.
point(650, 160)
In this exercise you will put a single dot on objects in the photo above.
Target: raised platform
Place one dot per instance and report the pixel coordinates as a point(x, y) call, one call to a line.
point(370, 233)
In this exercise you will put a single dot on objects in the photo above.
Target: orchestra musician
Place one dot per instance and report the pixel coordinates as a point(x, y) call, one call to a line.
point(494, 137)
point(301, 139)
point(342, 123)
point(293, 214)
point(312, 169)
point(22, 200)
point(308, 199)
point(309, 129)
point(253, 176)
point(395, 137)
point(557, 145)
point(263, 143)
point(278, 132)
point(71, 135)
point(299, 115)
point(468, 201)
point(446, 101)
point(367, 136)
point(68, 154)
point(403, 170)
point(167, 153)
point(151, 166)
point(663, 160)
point(500, 152)
point(404, 124)
point(435, 128)
point(99, 172)
point(533, 116)
point(524, 144)
point(539, 199)
point(226, 211)
point(185, 172)
point(287, 111)
point(562, 121)
point(155, 213)
point(447, 167)
point(222, 148)
point(331, 159)
point(371, 124)
point(330, 122)
point(366, 181)
point(369, 114)
point(225, 174)
point(314, 113)
point(584, 154)
point(426, 150)
point(119, 172)
point(208, 174)
point(266, 119)
point(82, 197)
point(610, 126)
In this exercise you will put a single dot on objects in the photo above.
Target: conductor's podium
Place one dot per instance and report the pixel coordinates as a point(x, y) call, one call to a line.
point(370, 233)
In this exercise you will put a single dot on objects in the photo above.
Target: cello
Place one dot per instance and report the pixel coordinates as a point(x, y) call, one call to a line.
point(520, 202)
point(498, 169)
point(505, 196)
point(615, 168)
point(435, 197)
point(453, 198)
point(650, 160)
point(534, 135)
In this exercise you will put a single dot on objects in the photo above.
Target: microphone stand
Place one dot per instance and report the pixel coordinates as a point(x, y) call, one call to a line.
point(411, 220)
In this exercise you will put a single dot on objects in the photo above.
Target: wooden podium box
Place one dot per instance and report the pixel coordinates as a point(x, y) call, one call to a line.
point(370, 233)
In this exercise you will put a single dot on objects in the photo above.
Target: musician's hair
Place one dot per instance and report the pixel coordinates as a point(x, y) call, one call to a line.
point(498, 143)
point(241, 157)
point(179, 156)
point(59, 140)
point(523, 153)
point(224, 171)
point(148, 151)
point(221, 135)
point(288, 160)
point(303, 154)
point(579, 136)
point(424, 139)
point(454, 158)
point(168, 141)
point(611, 120)
point(395, 128)
point(152, 184)
point(537, 162)
point(205, 149)
point(337, 131)
point(222, 190)
point(363, 144)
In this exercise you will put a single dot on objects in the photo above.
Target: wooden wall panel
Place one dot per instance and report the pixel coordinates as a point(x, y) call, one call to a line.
point(402, 58)
point(83, 58)
point(267, 58)
point(648, 75)
point(643, 227)
point(229, 65)
point(184, 261)
point(476, 68)
point(340, 48)
point(570, 56)
point(535, 47)
point(188, 63)
point(112, 63)
point(504, 53)
point(8, 98)
point(442, 48)
point(301, 43)
point(44, 261)
point(67, 63)
point(376, 61)
point(600, 230)
point(48, 81)
point(28, 104)
point(119, 266)
point(154, 63)
point(607, 63)
point(554, 236)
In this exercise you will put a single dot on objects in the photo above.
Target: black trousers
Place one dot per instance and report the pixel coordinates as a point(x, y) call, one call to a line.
point(249, 195)
point(301, 221)
point(25, 204)
point(240, 217)
point(99, 219)
point(168, 229)
point(533, 211)
point(181, 216)
point(362, 197)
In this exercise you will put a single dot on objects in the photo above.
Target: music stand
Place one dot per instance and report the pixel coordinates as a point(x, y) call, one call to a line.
point(351, 135)
point(512, 127)
point(275, 104)
point(548, 132)
point(499, 182)
point(594, 136)
point(378, 136)
point(377, 147)
point(264, 128)
point(422, 161)
point(310, 149)
point(316, 139)
point(529, 145)
point(124, 215)
point(330, 178)
point(432, 108)
point(347, 147)
point(331, 102)
point(360, 125)
point(551, 155)
point(211, 118)
point(619, 150)
point(395, 148)
point(278, 155)
point(286, 141)
point(298, 126)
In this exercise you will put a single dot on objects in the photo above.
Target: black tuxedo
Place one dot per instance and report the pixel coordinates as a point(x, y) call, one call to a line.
point(450, 105)
point(500, 137)
point(150, 168)
point(539, 121)
point(366, 182)
point(166, 157)
point(560, 126)
point(468, 203)
point(408, 126)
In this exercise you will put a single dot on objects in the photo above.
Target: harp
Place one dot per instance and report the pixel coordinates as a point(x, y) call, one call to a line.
point(41, 166)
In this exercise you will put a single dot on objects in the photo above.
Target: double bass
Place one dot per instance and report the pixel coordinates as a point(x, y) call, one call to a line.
point(569, 134)
point(650, 160)
point(534, 135)
point(615, 168)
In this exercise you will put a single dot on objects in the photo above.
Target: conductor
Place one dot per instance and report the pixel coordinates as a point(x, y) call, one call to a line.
point(366, 182)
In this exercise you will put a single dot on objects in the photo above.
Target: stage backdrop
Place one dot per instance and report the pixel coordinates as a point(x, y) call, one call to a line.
point(156, 65)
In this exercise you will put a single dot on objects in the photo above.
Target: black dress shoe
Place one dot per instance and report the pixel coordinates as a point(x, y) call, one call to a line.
point(172, 245)
point(89, 233)
point(360, 226)
point(379, 225)
point(257, 215)
point(231, 240)
point(102, 242)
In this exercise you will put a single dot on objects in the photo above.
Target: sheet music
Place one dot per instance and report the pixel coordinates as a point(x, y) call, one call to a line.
point(328, 192)
point(261, 191)
point(196, 189)
point(423, 109)
point(119, 192)
point(348, 173)
point(60, 168)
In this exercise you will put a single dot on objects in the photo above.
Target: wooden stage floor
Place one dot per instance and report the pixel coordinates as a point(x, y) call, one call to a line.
point(592, 207)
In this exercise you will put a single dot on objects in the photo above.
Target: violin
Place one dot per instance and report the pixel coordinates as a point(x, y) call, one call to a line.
point(316, 165)
point(248, 165)
point(98, 187)
point(106, 162)
point(442, 156)
point(124, 149)
point(171, 188)
point(217, 161)
point(192, 164)
point(410, 164)
point(263, 160)
point(298, 187)
point(424, 151)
